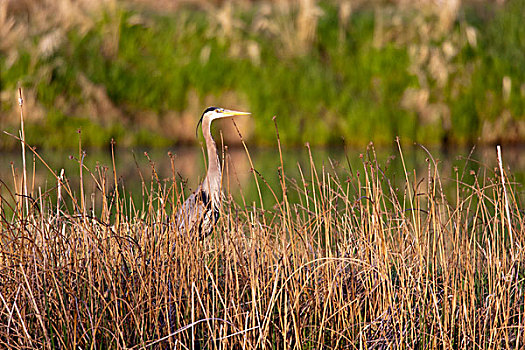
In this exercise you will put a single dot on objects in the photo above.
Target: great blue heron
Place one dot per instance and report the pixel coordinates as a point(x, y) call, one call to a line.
point(200, 211)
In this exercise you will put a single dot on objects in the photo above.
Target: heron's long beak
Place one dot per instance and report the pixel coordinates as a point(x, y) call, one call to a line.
point(229, 113)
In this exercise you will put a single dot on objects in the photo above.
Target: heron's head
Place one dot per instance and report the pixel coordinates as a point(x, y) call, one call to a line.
point(212, 113)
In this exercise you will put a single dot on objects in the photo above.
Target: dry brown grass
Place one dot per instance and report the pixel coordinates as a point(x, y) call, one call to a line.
point(355, 262)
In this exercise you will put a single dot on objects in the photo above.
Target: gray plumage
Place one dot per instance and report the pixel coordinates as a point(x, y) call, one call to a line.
point(200, 212)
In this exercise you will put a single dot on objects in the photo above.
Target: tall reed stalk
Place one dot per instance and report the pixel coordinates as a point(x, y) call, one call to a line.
point(23, 137)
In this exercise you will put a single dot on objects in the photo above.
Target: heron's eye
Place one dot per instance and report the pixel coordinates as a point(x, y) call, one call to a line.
point(220, 110)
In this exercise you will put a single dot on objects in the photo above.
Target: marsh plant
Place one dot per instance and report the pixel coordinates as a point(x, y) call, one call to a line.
point(355, 260)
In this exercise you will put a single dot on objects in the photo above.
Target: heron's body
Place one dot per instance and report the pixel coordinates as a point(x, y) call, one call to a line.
point(200, 211)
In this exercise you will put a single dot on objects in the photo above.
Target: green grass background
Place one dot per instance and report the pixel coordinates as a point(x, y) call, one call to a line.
point(344, 85)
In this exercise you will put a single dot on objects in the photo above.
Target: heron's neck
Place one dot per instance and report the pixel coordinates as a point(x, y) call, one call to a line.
point(212, 182)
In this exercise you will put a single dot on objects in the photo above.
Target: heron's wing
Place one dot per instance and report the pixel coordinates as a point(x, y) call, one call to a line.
point(189, 214)
point(195, 215)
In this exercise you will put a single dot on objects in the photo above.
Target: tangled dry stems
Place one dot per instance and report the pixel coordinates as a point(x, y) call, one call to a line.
point(355, 262)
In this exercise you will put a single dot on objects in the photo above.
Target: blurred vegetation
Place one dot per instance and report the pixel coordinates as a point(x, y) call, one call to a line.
point(329, 71)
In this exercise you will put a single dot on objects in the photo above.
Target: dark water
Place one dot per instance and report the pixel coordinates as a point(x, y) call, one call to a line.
point(137, 170)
